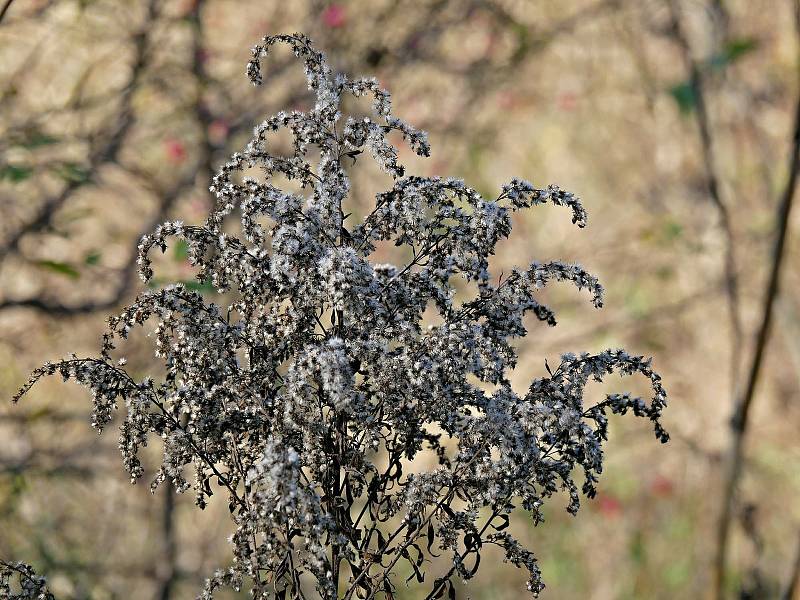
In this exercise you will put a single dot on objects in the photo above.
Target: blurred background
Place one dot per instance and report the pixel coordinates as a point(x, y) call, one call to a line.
point(672, 119)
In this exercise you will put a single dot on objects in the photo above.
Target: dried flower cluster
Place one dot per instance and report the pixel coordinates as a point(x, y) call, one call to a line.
point(18, 581)
point(352, 441)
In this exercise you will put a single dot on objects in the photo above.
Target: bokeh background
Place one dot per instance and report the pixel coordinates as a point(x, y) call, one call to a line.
point(672, 119)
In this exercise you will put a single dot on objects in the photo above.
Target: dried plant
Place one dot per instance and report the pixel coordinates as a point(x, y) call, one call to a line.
point(18, 581)
point(354, 442)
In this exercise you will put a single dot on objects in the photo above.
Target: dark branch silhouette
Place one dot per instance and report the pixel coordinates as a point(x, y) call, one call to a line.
point(5, 8)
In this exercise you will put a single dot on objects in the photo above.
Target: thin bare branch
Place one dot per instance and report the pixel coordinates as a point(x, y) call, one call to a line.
point(740, 421)
point(5, 8)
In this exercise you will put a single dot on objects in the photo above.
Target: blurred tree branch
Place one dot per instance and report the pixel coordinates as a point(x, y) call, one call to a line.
point(99, 155)
point(483, 76)
point(104, 153)
point(5, 8)
point(793, 584)
point(125, 278)
point(741, 415)
point(712, 178)
point(167, 566)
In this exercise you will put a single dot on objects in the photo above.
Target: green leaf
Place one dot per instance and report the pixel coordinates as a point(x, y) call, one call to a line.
point(677, 573)
point(636, 548)
point(203, 287)
point(672, 230)
point(15, 173)
point(18, 484)
point(93, 257)
point(181, 250)
point(683, 94)
point(36, 139)
point(75, 215)
point(60, 268)
point(523, 38)
point(43, 412)
point(72, 172)
point(732, 51)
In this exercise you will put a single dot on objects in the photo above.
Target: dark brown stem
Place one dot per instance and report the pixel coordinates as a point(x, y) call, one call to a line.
point(167, 583)
point(5, 8)
point(336, 474)
point(443, 580)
